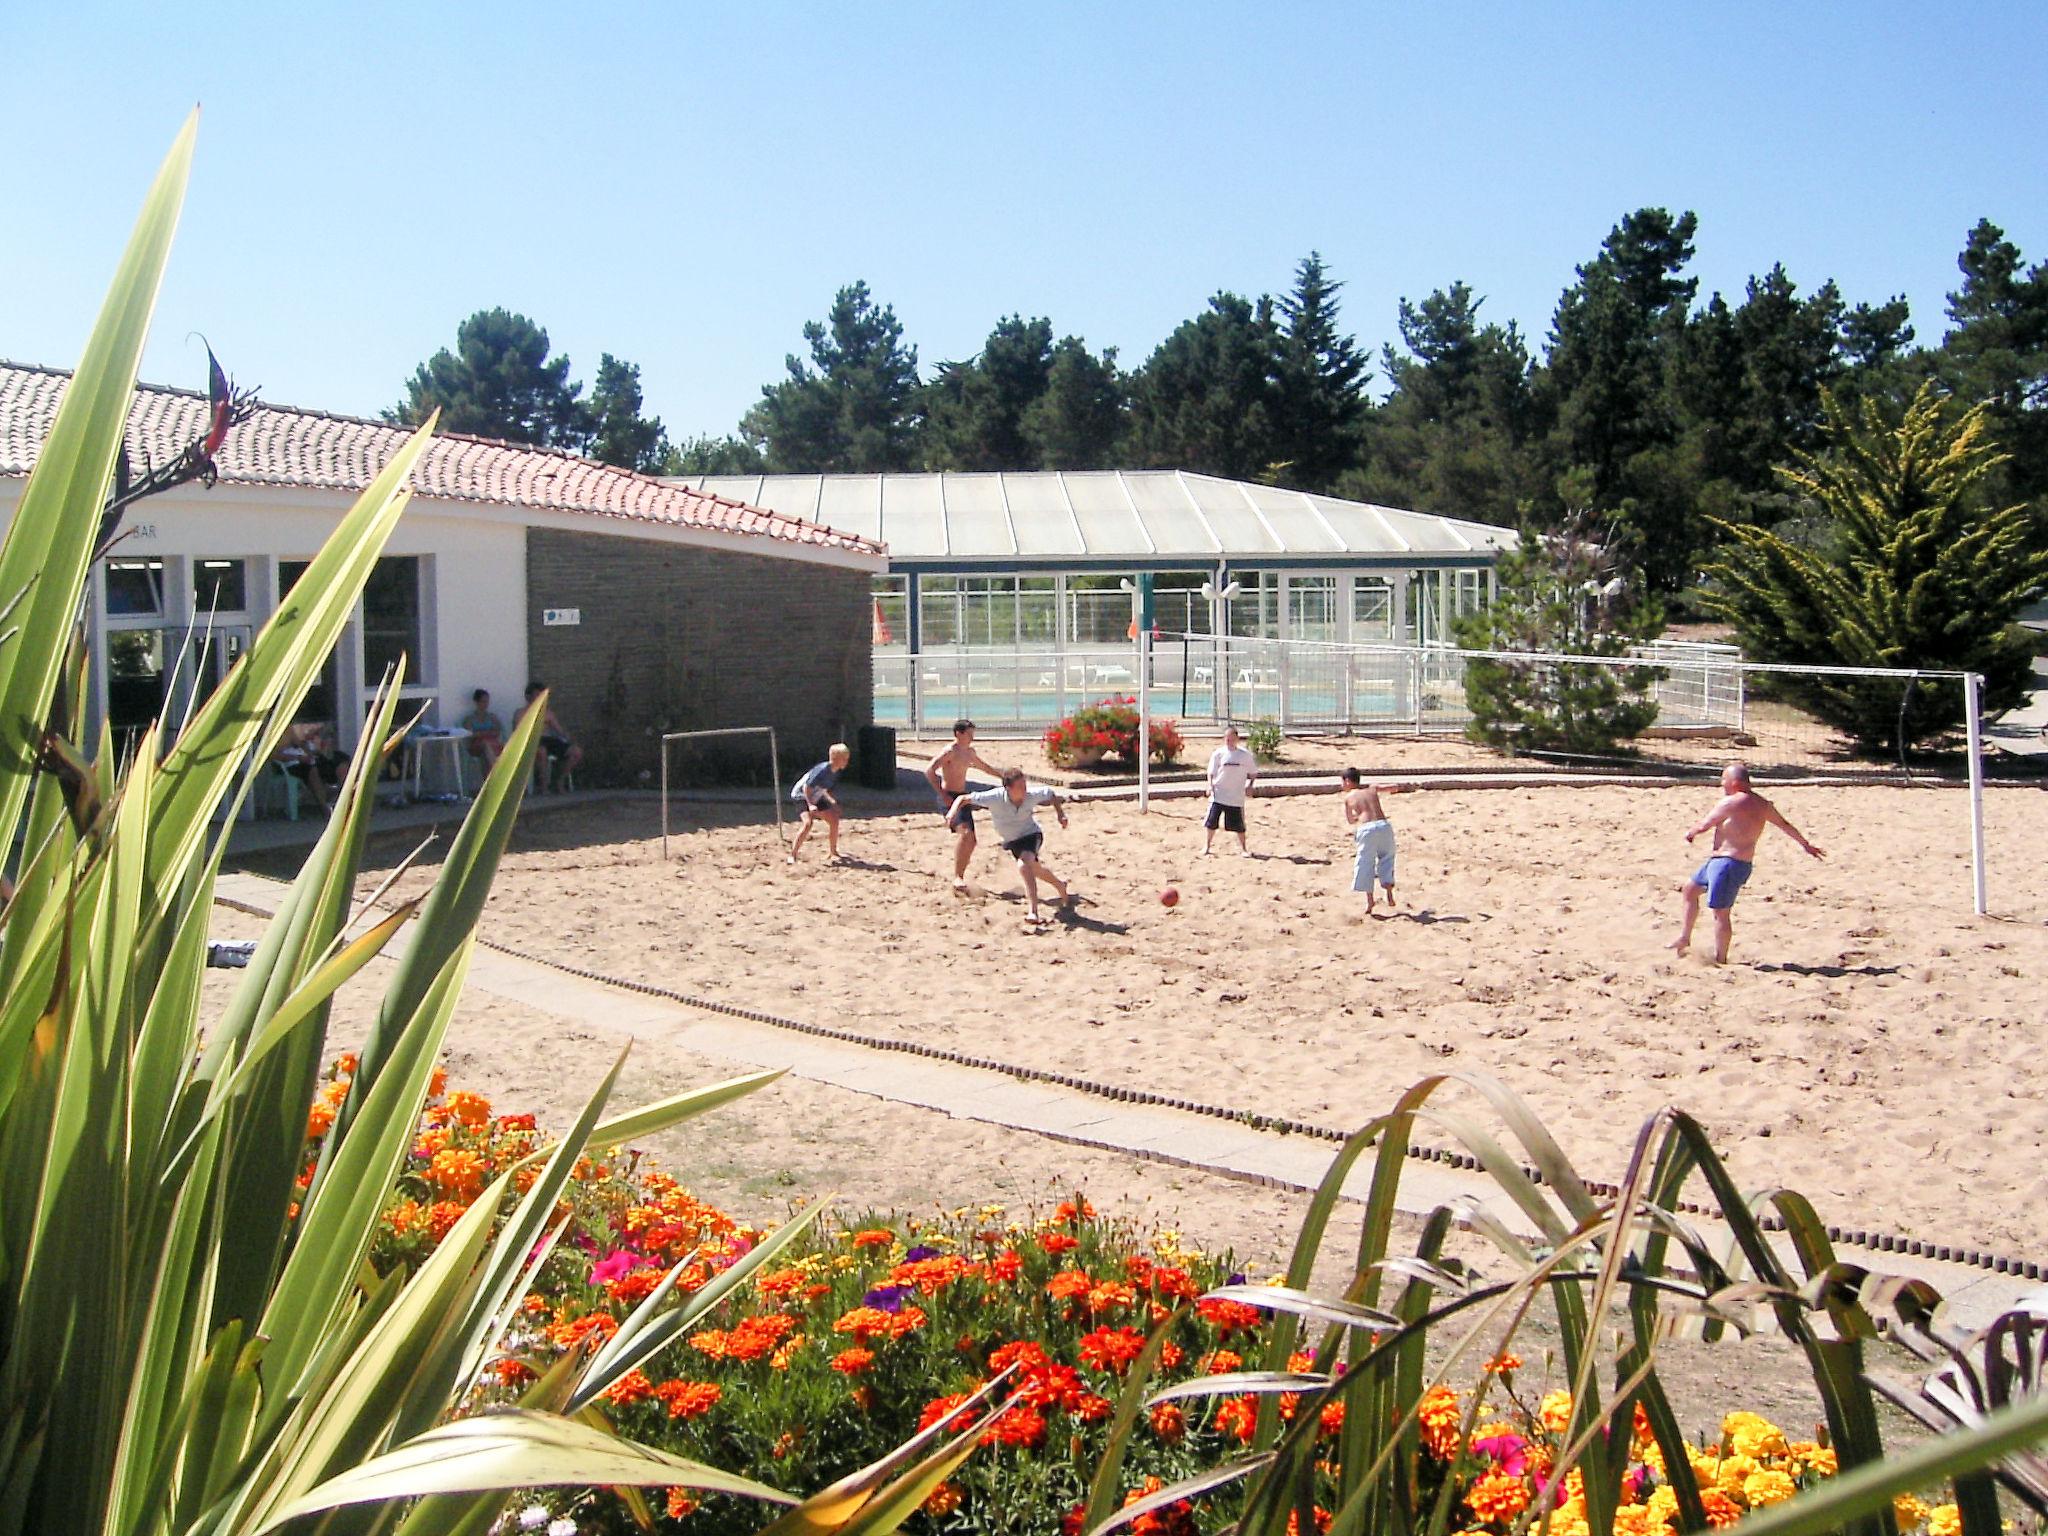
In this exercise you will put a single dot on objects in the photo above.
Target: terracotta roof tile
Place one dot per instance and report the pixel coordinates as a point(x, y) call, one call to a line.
point(280, 445)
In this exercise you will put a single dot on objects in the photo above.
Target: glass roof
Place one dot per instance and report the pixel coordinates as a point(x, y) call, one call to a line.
point(1105, 515)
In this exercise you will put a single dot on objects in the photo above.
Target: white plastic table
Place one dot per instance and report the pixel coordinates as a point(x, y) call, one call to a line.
point(455, 741)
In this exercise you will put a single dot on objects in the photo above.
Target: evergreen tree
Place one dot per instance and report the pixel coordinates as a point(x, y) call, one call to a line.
point(1561, 593)
point(499, 381)
point(1997, 350)
point(857, 412)
point(1078, 421)
point(1204, 400)
point(1917, 571)
point(707, 455)
point(1452, 436)
point(619, 434)
point(1319, 379)
point(975, 411)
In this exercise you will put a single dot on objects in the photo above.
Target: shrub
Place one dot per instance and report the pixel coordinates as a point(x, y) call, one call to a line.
point(1264, 738)
point(1109, 727)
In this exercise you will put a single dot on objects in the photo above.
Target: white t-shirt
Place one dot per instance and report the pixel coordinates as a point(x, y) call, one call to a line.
point(1230, 774)
point(1012, 820)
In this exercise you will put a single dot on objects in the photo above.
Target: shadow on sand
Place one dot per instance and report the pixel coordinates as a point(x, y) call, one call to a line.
point(1793, 967)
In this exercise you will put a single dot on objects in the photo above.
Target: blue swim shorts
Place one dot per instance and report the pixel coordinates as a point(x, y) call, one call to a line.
point(1723, 877)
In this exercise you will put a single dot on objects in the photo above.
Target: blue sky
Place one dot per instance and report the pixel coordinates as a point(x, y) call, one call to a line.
point(685, 185)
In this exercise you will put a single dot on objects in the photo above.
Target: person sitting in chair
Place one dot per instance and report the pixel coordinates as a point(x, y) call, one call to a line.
point(558, 754)
point(308, 752)
point(486, 730)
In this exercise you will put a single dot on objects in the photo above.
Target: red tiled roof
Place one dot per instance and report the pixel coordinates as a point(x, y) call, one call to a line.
point(281, 445)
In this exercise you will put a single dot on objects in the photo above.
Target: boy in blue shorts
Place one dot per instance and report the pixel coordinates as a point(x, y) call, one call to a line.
point(1737, 822)
point(820, 804)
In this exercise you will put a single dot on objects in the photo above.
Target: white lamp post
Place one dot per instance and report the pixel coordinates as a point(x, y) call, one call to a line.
point(1218, 598)
point(1144, 633)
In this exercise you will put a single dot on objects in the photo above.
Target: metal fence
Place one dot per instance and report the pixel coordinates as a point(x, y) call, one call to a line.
point(1301, 684)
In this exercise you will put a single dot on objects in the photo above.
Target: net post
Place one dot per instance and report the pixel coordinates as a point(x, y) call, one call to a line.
point(664, 799)
point(775, 787)
point(1144, 720)
point(1972, 686)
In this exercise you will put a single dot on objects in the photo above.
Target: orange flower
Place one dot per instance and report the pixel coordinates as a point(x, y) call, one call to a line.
point(427, 1143)
point(944, 1500)
point(1032, 1357)
point(512, 1372)
point(1227, 1317)
point(1169, 1423)
point(631, 1388)
point(442, 1216)
point(1067, 1284)
point(1237, 1416)
point(909, 1320)
point(851, 1362)
point(1439, 1416)
point(930, 1276)
point(1221, 1362)
point(680, 1503)
point(319, 1120)
point(939, 1407)
point(516, 1123)
point(634, 1286)
point(874, 1237)
point(1333, 1416)
point(786, 1352)
point(779, 1282)
point(1070, 1212)
point(1110, 1295)
point(346, 1063)
point(403, 1217)
point(1175, 1284)
point(458, 1172)
point(1111, 1349)
point(592, 1325)
point(1021, 1426)
point(688, 1399)
point(1505, 1364)
point(1722, 1511)
point(1497, 1497)
point(1005, 1266)
point(710, 1342)
point(1091, 1408)
point(1056, 1243)
point(438, 1083)
point(472, 1109)
point(753, 1337)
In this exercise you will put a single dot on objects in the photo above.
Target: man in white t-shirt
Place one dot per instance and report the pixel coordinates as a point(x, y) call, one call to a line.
point(1231, 772)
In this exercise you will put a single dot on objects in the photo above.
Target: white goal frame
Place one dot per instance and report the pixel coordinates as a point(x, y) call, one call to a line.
point(774, 772)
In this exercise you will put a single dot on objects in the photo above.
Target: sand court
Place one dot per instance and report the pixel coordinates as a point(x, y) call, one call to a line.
point(1872, 1045)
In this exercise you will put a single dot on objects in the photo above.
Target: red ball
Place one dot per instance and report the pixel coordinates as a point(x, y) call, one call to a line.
point(1168, 897)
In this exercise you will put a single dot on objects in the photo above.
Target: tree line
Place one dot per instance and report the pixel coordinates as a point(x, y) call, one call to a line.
point(1660, 412)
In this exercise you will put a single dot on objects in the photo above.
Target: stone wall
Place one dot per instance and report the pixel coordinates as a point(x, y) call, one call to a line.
point(674, 638)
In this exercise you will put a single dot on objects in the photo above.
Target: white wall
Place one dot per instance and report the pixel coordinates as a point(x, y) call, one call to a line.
point(473, 582)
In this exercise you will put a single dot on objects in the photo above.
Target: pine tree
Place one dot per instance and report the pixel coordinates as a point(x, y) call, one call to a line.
point(619, 434)
point(1914, 571)
point(857, 412)
point(498, 382)
point(975, 411)
point(1319, 379)
point(1561, 593)
point(1204, 400)
point(1078, 423)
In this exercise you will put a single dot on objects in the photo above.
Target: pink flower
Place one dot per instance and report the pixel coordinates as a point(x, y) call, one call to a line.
point(1509, 1453)
point(616, 1265)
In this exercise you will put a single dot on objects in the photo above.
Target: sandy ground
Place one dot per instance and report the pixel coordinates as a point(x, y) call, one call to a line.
point(1873, 1045)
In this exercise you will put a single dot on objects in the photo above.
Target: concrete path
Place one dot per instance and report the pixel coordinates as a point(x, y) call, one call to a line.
point(1177, 1137)
point(2024, 731)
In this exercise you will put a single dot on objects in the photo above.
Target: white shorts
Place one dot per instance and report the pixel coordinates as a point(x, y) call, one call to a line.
point(1375, 855)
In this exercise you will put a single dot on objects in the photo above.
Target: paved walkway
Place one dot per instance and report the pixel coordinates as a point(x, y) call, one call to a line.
point(1163, 1135)
point(2024, 731)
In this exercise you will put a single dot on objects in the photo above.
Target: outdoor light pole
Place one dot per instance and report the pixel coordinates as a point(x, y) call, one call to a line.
point(1219, 599)
point(1141, 622)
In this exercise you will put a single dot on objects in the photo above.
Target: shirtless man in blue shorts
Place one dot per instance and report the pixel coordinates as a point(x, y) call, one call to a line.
point(1737, 823)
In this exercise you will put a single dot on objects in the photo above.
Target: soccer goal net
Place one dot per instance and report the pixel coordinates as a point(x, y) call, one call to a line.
point(735, 765)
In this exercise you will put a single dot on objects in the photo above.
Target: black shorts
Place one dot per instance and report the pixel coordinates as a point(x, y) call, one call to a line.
point(961, 820)
point(825, 803)
point(1229, 817)
point(555, 746)
point(1026, 846)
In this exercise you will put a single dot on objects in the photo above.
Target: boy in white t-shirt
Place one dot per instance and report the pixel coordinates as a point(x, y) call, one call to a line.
point(1009, 807)
point(1231, 772)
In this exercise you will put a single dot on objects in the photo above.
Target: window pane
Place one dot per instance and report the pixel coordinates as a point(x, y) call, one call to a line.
point(319, 702)
point(135, 679)
point(391, 618)
point(220, 586)
point(135, 586)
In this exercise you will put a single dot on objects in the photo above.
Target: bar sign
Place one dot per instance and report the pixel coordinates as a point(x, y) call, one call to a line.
point(556, 617)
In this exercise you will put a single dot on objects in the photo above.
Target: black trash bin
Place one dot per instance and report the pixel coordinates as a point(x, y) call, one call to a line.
point(874, 757)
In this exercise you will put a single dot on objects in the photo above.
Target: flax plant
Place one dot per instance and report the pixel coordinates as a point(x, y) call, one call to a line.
point(189, 1344)
point(1626, 1268)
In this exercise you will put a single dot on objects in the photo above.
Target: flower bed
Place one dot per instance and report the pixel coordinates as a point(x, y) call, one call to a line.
point(872, 1329)
point(1109, 728)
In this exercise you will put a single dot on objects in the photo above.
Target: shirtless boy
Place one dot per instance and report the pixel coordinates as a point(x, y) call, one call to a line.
point(947, 775)
point(1373, 833)
point(1737, 823)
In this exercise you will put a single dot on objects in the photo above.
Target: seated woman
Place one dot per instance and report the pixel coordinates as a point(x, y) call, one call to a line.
point(486, 730)
point(308, 752)
point(558, 754)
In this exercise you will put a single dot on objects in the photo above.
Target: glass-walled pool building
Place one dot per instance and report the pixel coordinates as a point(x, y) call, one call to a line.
point(1006, 594)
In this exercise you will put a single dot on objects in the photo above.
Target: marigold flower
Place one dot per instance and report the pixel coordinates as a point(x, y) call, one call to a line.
point(471, 1109)
point(1170, 1357)
point(779, 1282)
point(862, 1321)
point(753, 1337)
point(1752, 1435)
point(1023, 1352)
point(1945, 1520)
point(404, 1217)
point(438, 1083)
point(939, 1407)
point(1005, 1266)
point(1091, 1407)
point(427, 1143)
point(1332, 1417)
point(516, 1123)
point(457, 1171)
point(1722, 1511)
point(631, 1388)
point(1071, 1212)
point(1770, 1486)
point(347, 1063)
point(1057, 1243)
point(1910, 1512)
point(1661, 1508)
point(1221, 1362)
point(1176, 1284)
point(1729, 1476)
point(680, 1503)
point(908, 1321)
point(511, 1371)
point(1111, 1349)
point(1818, 1459)
point(688, 1399)
point(1228, 1317)
point(1555, 1411)
point(943, 1500)
point(319, 1120)
point(786, 1352)
point(1020, 1426)
point(596, 1326)
point(1237, 1416)
point(851, 1362)
point(1169, 1423)
point(1110, 1295)
point(442, 1216)
point(874, 1237)
point(1440, 1418)
point(1498, 1498)
point(1321, 1516)
point(1068, 1284)
point(1505, 1364)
